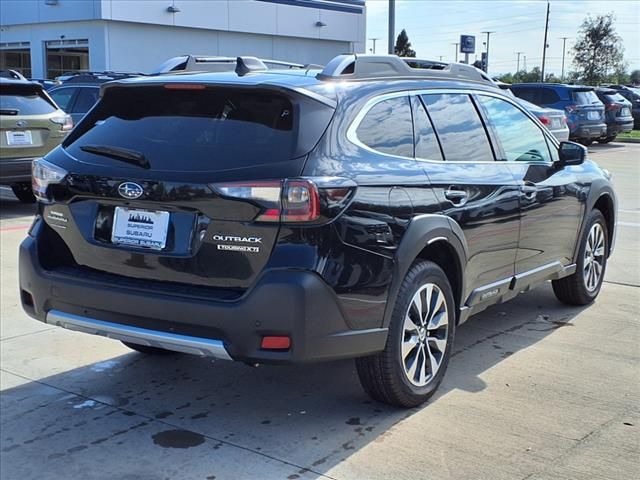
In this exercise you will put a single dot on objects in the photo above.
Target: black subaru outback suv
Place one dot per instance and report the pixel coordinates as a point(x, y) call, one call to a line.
point(365, 211)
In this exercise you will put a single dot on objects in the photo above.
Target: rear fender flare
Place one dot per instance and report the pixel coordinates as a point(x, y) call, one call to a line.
point(422, 231)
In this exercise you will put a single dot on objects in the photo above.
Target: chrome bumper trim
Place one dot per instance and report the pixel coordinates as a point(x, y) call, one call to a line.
point(204, 347)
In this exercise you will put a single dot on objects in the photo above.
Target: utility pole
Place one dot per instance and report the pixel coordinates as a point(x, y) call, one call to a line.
point(518, 67)
point(392, 26)
point(441, 57)
point(374, 40)
point(525, 63)
point(487, 63)
point(544, 48)
point(564, 44)
point(456, 44)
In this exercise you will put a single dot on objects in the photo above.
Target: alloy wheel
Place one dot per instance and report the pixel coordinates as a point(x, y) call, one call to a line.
point(594, 257)
point(424, 339)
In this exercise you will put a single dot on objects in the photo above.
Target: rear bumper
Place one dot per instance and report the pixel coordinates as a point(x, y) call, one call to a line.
point(15, 170)
point(298, 304)
point(589, 131)
point(615, 128)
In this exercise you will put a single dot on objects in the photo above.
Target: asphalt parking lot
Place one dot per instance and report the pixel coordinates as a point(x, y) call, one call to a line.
point(535, 390)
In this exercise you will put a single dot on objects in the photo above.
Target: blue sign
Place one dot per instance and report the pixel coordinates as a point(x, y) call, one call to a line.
point(467, 44)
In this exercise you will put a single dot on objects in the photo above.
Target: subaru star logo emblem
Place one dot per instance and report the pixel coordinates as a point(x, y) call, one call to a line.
point(21, 123)
point(130, 190)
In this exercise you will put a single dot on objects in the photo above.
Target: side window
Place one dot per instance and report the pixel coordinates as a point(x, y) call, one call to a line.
point(87, 97)
point(427, 146)
point(548, 96)
point(458, 127)
point(388, 127)
point(63, 97)
point(528, 94)
point(521, 139)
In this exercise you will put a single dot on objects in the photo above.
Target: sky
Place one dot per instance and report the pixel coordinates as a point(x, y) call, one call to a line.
point(434, 25)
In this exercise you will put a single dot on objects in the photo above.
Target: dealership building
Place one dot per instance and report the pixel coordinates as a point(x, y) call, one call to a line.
point(46, 38)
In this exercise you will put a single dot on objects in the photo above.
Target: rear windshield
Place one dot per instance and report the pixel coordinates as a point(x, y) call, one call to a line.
point(615, 98)
point(15, 101)
point(585, 97)
point(193, 130)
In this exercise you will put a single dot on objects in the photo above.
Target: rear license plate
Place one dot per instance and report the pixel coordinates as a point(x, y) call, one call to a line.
point(19, 137)
point(140, 228)
point(593, 115)
point(555, 123)
point(625, 112)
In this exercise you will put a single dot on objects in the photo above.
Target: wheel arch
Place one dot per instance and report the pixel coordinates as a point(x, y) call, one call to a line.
point(602, 197)
point(436, 238)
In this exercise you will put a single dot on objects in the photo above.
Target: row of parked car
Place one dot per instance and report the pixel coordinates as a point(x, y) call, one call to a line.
point(35, 115)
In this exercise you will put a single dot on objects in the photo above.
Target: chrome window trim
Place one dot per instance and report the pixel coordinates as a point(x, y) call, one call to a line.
point(352, 135)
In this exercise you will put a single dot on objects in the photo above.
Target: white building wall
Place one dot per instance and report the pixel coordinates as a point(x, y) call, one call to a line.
point(39, 33)
point(140, 47)
point(140, 34)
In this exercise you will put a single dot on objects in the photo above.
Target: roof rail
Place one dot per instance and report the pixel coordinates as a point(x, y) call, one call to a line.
point(208, 63)
point(372, 67)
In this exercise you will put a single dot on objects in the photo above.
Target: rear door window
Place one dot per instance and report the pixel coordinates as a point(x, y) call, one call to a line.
point(548, 96)
point(521, 139)
point(210, 128)
point(528, 94)
point(87, 97)
point(387, 127)
point(459, 127)
point(63, 97)
point(427, 146)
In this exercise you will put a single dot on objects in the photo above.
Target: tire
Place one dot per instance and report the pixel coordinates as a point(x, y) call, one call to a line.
point(23, 192)
point(607, 139)
point(385, 376)
point(585, 141)
point(581, 288)
point(149, 350)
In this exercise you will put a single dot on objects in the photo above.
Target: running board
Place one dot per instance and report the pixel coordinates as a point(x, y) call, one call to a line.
point(204, 347)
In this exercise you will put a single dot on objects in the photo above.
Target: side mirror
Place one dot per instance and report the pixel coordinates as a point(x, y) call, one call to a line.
point(571, 153)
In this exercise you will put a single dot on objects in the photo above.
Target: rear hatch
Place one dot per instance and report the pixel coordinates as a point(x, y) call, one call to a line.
point(30, 122)
point(587, 108)
point(617, 108)
point(180, 183)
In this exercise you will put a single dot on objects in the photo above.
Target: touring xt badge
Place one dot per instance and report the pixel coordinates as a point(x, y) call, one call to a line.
point(232, 241)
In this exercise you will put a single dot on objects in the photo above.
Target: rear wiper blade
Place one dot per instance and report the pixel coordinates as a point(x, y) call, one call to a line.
point(118, 153)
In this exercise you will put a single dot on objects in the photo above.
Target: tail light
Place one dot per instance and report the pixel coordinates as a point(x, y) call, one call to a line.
point(298, 200)
point(563, 120)
point(44, 174)
point(546, 121)
point(612, 107)
point(571, 108)
point(65, 122)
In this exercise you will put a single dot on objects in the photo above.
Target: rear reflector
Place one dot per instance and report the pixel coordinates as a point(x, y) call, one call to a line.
point(276, 343)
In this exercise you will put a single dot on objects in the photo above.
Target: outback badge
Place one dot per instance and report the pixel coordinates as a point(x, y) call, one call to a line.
point(130, 190)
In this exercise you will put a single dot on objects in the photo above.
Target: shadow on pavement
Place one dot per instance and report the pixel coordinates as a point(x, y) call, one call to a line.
point(11, 208)
point(312, 417)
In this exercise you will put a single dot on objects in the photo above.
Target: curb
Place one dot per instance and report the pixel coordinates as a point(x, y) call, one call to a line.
point(627, 140)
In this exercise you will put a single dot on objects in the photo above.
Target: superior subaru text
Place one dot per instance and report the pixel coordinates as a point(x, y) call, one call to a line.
point(276, 216)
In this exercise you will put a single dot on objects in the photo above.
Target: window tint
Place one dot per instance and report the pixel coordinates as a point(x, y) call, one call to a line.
point(615, 98)
point(87, 97)
point(62, 97)
point(548, 96)
point(427, 146)
point(521, 139)
point(388, 128)
point(528, 94)
point(459, 127)
point(202, 130)
point(27, 103)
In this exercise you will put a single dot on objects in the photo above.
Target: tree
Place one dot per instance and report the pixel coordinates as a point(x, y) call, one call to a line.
point(403, 45)
point(598, 49)
point(635, 77)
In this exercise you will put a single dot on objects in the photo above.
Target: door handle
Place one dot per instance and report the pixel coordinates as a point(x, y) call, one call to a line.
point(456, 196)
point(529, 190)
